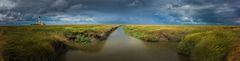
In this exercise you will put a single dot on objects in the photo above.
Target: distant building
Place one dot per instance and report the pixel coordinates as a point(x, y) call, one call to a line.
point(39, 21)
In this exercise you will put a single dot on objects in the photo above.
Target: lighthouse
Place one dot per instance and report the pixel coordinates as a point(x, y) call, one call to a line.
point(39, 21)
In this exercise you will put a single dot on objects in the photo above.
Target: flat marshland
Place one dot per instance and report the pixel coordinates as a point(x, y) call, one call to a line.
point(46, 43)
point(95, 43)
point(200, 43)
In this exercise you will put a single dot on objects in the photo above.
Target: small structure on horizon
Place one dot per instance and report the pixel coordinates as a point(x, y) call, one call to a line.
point(39, 21)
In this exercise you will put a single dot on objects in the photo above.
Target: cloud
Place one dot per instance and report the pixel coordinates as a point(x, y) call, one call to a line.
point(238, 21)
point(10, 16)
point(225, 8)
point(4, 17)
point(5, 13)
point(123, 11)
point(6, 4)
point(73, 18)
point(60, 3)
point(135, 3)
point(76, 7)
point(201, 11)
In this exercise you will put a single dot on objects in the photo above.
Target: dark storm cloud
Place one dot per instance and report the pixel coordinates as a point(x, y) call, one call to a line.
point(222, 11)
point(124, 11)
point(204, 11)
point(45, 6)
point(52, 6)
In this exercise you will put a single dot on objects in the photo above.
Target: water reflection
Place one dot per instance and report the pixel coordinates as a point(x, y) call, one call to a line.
point(165, 50)
point(120, 47)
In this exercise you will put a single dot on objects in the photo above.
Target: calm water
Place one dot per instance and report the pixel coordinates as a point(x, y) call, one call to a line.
point(120, 47)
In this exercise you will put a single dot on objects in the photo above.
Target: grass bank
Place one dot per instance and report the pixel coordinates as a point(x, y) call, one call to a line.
point(46, 43)
point(201, 43)
point(156, 33)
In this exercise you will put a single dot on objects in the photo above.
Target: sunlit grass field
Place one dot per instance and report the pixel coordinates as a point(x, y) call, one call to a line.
point(200, 43)
point(46, 43)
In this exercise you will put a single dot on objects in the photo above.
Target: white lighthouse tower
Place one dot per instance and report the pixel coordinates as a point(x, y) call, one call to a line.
point(39, 21)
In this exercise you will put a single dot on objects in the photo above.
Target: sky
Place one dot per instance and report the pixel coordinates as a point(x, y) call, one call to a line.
point(206, 12)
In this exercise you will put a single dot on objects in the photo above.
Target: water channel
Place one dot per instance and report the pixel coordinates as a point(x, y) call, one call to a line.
point(121, 47)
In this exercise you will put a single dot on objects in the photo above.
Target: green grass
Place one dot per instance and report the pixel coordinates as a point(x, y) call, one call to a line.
point(155, 33)
point(188, 43)
point(28, 46)
point(201, 43)
point(46, 43)
point(214, 46)
point(83, 39)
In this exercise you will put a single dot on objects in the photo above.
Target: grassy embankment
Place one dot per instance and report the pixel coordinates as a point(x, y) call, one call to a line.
point(46, 43)
point(201, 43)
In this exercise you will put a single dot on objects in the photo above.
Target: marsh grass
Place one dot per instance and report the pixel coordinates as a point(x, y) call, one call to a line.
point(189, 42)
point(83, 39)
point(45, 43)
point(162, 32)
point(201, 43)
point(30, 47)
point(214, 46)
